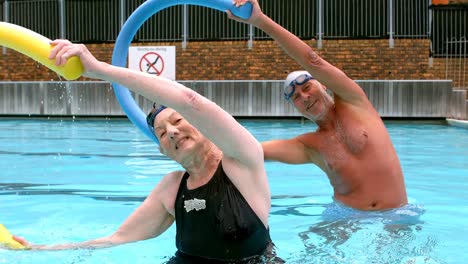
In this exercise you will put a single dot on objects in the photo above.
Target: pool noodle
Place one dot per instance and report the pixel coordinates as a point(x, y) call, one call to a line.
point(38, 48)
point(7, 241)
point(125, 37)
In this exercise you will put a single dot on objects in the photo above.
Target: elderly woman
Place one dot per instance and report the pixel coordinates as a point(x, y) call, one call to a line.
point(220, 203)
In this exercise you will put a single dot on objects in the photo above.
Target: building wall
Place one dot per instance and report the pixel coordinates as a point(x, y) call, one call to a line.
point(232, 60)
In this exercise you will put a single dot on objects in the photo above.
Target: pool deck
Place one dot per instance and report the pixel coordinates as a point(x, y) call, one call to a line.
point(458, 123)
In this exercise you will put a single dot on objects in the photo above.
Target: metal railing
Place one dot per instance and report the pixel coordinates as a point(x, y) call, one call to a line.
point(410, 18)
point(449, 23)
point(3, 11)
point(101, 20)
point(41, 16)
point(356, 19)
point(298, 16)
point(456, 62)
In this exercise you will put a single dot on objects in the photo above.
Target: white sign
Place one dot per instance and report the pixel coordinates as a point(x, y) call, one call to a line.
point(157, 60)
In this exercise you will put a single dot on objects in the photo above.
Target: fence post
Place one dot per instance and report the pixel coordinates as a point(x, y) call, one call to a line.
point(391, 41)
point(451, 50)
point(320, 25)
point(185, 27)
point(429, 35)
point(6, 12)
point(251, 35)
point(446, 58)
point(5, 18)
point(122, 13)
point(461, 61)
point(465, 52)
point(62, 19)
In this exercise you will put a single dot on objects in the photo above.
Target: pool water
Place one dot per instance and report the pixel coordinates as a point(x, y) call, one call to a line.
point(69, 181)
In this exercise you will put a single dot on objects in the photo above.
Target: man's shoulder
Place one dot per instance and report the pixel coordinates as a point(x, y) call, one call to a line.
point(309, 136)
point(311, 141)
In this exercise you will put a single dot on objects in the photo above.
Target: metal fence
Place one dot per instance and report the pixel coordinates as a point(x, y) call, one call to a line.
point(456, 62)
point(101, 20)
point(450, 23)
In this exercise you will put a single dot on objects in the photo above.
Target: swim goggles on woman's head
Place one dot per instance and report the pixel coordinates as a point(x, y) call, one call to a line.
point(152, 115)
point(291, 88)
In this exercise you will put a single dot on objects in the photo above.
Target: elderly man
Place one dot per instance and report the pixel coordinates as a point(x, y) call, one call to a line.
point(351, 145)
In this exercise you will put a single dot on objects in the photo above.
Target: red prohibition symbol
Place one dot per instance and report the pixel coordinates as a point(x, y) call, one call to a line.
point(152, 63)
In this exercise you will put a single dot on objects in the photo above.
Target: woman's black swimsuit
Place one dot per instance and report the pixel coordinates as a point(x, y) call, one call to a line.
point(215, 224)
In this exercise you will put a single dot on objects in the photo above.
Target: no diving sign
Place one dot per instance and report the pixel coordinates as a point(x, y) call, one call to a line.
point(157, 60)
point(152, 63)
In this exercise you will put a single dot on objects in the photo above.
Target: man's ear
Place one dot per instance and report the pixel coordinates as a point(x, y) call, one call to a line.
point(330, 92)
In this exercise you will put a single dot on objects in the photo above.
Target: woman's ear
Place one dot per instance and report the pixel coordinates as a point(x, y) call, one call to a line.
point(161, 149)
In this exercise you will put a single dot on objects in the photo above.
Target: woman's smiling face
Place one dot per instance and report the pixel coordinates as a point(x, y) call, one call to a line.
point(176, 135)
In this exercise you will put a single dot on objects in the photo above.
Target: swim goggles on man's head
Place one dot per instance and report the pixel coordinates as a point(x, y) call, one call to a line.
point(291, 88)
point(152, 115)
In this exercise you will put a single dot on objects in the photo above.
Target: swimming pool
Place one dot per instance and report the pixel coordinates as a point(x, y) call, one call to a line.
point(74, 180)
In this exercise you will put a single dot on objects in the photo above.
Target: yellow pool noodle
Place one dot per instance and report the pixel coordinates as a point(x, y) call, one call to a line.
point(7, 241)
point(38, 48)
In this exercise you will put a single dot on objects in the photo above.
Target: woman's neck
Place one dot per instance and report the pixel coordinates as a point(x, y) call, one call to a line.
point(204, 163)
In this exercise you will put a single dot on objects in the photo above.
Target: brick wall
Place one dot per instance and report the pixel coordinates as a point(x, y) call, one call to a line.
point(457, 2)
point(449, 2)
point(232, 60)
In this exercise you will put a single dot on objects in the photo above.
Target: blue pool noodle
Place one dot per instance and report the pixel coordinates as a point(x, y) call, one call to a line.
point(130, 28)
